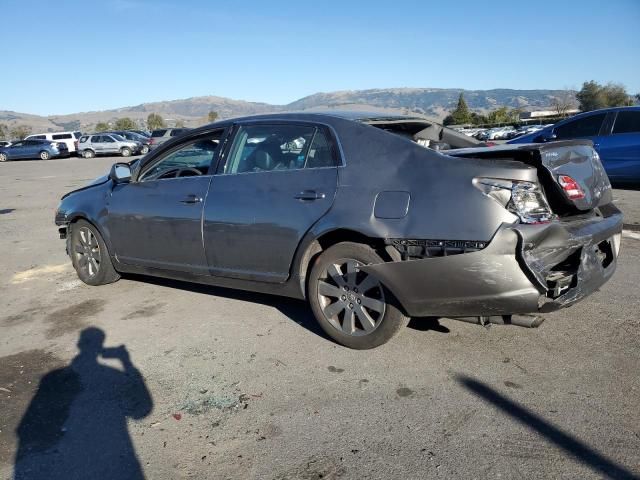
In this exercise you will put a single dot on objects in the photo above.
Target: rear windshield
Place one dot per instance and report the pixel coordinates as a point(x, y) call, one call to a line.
point(61, 136)
point(77, 134)
point(177, 131)
point(158, 133)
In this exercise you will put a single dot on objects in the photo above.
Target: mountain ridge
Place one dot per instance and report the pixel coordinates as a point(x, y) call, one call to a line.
point(434, 103)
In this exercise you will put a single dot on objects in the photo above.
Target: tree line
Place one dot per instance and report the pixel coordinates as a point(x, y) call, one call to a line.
point(592, 96)
point(154, 121)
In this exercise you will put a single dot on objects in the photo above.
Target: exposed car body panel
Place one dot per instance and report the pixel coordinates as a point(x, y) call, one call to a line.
point(251, 232)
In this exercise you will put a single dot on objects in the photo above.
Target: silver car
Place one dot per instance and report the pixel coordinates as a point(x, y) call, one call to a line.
point(107, 144)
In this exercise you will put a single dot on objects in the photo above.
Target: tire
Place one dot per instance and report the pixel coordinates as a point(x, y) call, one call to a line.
point(125, 152)
point(44, 155)
point(3, 157)
point(144, 150)
point(353, 317)
point(88, 153)
point(89, 255)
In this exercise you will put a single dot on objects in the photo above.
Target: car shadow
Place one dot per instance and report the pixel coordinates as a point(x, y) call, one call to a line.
point(76, 423)
point(426, 324)
point(571, 445)
point(296, 310)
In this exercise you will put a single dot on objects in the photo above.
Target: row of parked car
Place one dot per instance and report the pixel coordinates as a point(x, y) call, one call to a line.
point(502, 133)
point(44, 146)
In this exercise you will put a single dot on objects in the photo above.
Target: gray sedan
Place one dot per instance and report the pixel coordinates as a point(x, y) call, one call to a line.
point(353, 214)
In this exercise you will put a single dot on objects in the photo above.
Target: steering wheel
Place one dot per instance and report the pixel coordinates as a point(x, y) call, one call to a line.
point(195, 171)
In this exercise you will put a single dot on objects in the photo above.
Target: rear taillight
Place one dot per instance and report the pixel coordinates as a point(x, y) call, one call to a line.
point(524, 199)
point(75, 144)
point(571, 188)
point(151, 141)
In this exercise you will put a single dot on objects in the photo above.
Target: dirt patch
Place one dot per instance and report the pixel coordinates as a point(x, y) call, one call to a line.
point(39, 273)
point(25, 316)
point(72, 318)
point(333, 369)
point(404, 392)
point(145, 311)
point(315, 468)
point(19, 377)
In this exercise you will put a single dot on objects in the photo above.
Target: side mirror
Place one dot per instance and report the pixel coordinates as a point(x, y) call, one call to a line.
point(120, 173)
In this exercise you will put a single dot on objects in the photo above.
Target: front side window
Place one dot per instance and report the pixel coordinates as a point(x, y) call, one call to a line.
point(193, 159)
point(583, 127)
point(627, 121)
point(262, 148)
point(158, 133)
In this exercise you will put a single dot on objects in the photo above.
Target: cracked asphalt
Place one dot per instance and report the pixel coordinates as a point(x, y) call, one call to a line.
point(149, 378)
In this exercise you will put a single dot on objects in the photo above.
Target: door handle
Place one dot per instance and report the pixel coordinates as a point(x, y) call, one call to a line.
point(309, 195)
point(190, 199)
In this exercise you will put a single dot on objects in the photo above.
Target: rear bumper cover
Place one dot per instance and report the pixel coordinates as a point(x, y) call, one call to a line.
point(524, 269)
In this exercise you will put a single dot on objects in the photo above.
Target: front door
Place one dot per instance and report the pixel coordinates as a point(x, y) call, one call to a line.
point(155, 221)
point(276, 182)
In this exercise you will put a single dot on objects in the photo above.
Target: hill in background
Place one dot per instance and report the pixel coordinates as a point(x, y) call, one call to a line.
point(434, 103)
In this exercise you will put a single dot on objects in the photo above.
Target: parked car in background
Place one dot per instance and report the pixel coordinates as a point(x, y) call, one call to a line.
point(161, 135)
point(107, 144)
point(350, 212)
point(134, 137)
point(69, 138)
point(144, 133)
point(33, 149)
point(615, 133)
point(4, 143)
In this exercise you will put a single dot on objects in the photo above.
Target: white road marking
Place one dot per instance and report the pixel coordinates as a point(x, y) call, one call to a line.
point(630, 234)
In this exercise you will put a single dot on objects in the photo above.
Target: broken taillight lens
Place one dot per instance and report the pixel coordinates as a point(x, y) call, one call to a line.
point(524, 199)
point(571, 188)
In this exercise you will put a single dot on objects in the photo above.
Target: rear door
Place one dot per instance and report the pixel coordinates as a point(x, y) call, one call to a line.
point(97, 143)
point(275, 182)
point(620, 149)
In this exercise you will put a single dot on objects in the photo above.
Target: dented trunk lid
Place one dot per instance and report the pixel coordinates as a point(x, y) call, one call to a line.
point(574, 158)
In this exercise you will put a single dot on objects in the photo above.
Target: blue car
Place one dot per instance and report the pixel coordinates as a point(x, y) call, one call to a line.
point(615, 133)
point(33, 149)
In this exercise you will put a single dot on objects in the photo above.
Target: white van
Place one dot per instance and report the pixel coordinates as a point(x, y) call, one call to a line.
point(70, 138)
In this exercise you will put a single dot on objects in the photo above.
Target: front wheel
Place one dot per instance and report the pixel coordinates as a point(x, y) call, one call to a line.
point(89, 255)
point(351, 306)
point(144, 150)
point(44, 155)
point(125, 152)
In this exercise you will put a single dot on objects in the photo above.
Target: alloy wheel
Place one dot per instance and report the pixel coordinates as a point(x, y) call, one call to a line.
point(87, 252)
point(3, 157)
point(351, 300)
point(44, 155)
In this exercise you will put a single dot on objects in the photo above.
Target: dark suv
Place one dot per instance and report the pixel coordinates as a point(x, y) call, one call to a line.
point(161, 135)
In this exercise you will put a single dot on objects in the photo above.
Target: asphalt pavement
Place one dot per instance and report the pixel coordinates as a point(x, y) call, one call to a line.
point(160, 379)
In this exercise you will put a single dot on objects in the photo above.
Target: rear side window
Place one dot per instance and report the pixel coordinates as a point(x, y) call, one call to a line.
point(77, 134)
point(158, 133)
point(61, 136)
point(627, 122)
point(38, 137)
point(583, 127)
point(96, 139)
point(261, 148)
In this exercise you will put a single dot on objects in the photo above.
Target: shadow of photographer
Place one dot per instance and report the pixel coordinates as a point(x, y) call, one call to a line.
point(76, 423)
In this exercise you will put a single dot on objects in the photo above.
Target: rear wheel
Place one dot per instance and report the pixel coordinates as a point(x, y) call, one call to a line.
point(351, 306)
point(144, 150)
point(44, 155)
point(125, 152)
point(3, 157)
point(88, 154)
point(89, 255)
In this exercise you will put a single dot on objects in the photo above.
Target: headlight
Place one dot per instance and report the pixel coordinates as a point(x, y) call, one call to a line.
point(524, 199)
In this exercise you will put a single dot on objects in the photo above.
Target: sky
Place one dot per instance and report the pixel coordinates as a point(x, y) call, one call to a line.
point(73, 56)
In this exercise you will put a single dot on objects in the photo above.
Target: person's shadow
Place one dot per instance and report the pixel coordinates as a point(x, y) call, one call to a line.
point(76, 424)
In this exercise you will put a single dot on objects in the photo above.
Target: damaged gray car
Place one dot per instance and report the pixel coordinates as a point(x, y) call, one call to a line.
point(352, 213)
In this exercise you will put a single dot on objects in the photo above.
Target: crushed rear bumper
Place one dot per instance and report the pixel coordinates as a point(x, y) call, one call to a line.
point(524, 269)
